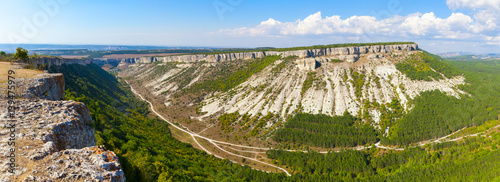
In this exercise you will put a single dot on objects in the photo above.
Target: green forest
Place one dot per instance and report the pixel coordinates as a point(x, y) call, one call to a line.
point(445, 114)
point(326, 131)
point(473, 159)
point(421, 66)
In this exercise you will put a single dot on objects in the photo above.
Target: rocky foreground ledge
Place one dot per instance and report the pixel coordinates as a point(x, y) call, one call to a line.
point(54, 139)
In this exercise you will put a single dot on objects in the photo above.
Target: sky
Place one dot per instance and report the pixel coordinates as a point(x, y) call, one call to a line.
point(436, 25)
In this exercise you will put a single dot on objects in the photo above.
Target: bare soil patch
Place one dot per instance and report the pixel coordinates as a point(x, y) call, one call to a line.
point(20, 72)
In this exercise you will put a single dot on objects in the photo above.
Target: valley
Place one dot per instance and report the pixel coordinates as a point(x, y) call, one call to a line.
point(374, 116)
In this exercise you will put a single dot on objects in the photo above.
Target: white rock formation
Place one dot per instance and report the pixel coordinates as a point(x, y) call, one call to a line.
point(332, 92)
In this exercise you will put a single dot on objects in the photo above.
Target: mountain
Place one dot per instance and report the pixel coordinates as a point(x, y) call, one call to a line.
point(358, 80)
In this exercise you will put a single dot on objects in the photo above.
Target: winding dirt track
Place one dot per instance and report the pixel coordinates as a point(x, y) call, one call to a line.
point(217, 143)
point(214, 142)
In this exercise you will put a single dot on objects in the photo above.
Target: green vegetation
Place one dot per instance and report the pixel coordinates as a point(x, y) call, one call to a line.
point(226, 120)
point(286, 61)
point(358, 80)
point(229, 76)
point(336, 61)
point(308, 83)
point(330, 167)
point(444, 114)
point(4, 57)
point(473, 159)
point(21, 54)
point(261, 123)
point(390, 113)
point(418, 67)
point(325, 131)
point(477, 129)
point(143, 143)
point(162, 68)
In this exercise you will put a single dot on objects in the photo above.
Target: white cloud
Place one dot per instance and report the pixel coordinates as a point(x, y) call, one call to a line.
point(473, 4)
point(486, 14)
point(482, 26)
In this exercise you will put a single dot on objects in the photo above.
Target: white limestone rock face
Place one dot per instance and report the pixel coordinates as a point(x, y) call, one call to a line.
point(55, 140)
point(348, 53)
point(307, 64)
point(43, 86)
point(333, 91)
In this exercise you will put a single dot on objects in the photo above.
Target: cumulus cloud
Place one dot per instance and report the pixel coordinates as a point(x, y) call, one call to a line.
point(473, 4)
point(481, 24)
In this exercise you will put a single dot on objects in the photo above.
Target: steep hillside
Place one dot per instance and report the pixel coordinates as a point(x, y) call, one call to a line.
point(142, 142)
point(253, 97)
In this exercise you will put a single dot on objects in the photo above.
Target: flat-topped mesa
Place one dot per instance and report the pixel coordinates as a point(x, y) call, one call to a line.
point(355, 50)
point(349, 54)
point(198, 57)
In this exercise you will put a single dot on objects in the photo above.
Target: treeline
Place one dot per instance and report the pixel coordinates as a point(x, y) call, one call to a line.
point(435, 114)
point(348, 163)
point(143, 143)
point(325, 131)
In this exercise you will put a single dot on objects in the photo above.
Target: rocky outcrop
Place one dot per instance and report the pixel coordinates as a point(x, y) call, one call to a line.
point(45, 86)
point(350, 54)
point(87, 164)
point(54, 139)
point(307, 64)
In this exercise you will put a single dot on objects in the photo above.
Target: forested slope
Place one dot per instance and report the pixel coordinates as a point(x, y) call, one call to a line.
point(143, 143)
point(435, 114)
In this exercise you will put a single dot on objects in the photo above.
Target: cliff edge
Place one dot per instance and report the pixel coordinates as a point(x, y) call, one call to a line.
point(51, 139)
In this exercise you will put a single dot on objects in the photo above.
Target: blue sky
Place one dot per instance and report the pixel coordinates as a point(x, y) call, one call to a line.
point(438, 26)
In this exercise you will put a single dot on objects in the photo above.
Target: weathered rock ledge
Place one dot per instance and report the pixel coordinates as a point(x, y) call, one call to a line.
point(54, 139)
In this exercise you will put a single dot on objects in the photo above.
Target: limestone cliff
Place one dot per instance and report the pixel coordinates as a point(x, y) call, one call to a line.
point(54, 139)
point(345, 53)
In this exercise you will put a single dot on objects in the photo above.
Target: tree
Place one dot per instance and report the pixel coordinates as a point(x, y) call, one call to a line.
point(21, 54)
point(2, 53)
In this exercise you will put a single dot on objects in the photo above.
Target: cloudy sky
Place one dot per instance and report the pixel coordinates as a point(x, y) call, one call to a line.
point(438, 26)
